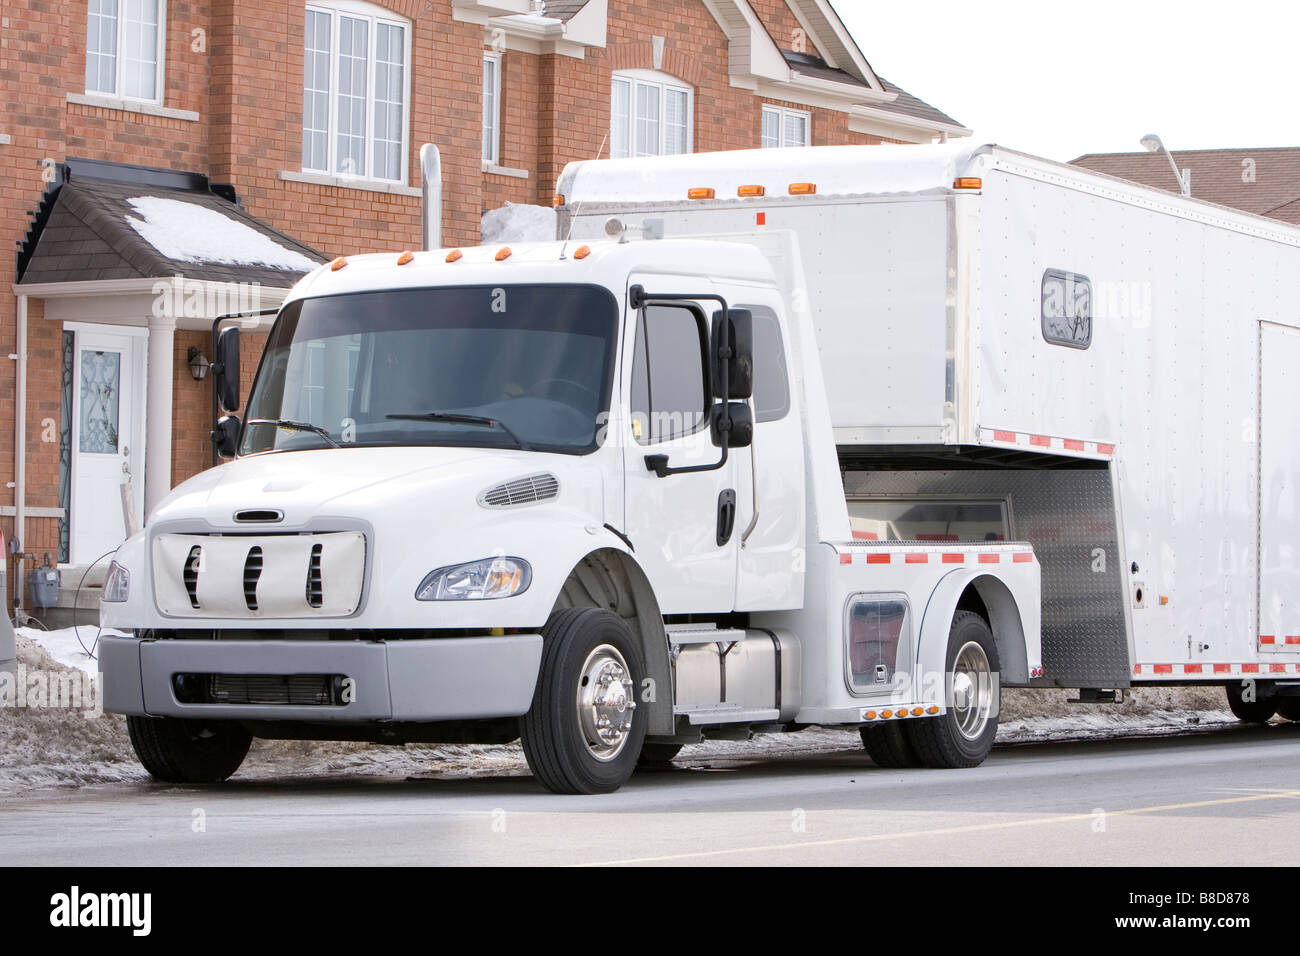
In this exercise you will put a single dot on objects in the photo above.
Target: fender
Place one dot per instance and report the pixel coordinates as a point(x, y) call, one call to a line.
point(1018, 645)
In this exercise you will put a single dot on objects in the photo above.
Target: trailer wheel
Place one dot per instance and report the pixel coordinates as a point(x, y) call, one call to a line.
point(188, 751)
point(1250, 711)
point(1288, 708)
point(581, 734)
point(963, 735)
point(888, 746)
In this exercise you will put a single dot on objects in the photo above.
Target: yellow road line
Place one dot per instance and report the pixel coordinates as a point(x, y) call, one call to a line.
point(945, 831)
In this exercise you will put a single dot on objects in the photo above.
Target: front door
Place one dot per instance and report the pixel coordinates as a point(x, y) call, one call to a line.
point(107, 437)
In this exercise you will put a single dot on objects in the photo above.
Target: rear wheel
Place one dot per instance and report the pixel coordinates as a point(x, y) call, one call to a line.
point(582, 733)
point(657, 755)
point(888, 746)
point(963, 735)
point(188, 751)
point(1250, 711)
point(1288, 708)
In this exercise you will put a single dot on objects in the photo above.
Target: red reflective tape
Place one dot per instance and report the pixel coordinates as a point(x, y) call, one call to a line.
point(877, 559)
point(1223, 668)
point(1137, 668)
point(1073, 444)
point(918, 559)
point(1042, 441)
point(1191, 668)
point(1164, 668)
point(954, 559)
point(846, 559)
point(1293, 638)
point(1266, 639)
point(1250, 668)
point(1105, 449)
point(1005, 436)
point(1277, 668)
point(1020, 557)
point(990, 558)
point(865, 536)
point(762, 219)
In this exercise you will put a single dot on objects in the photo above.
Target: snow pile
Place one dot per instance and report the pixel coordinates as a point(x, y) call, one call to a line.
point(186, 232)
point(70, 646)
point(518, 223)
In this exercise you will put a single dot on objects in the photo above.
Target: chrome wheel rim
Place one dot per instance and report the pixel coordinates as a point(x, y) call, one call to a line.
point(605, 702)
point(971, 690)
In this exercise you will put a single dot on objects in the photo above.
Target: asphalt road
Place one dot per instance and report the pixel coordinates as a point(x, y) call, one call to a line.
point(1228, 796)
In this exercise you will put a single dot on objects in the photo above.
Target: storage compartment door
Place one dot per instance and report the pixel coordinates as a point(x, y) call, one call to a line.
point(1279, 489)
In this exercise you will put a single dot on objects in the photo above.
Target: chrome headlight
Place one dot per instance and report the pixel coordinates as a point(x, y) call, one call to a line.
point(117, 584)
point(476, 581)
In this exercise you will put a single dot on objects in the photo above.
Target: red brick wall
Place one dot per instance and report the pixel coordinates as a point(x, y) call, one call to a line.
point(783, 26)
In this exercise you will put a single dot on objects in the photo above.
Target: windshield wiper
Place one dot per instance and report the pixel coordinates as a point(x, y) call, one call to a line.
point(458, 419)
point(295, 426)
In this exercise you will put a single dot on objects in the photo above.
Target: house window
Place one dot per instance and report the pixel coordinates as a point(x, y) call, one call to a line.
point(355, 91)
point(492, 108)
point(650, 115)
point(783, 127)
point(124, 48)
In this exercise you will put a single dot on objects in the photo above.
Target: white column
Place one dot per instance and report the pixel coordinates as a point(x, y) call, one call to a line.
point(158, 411)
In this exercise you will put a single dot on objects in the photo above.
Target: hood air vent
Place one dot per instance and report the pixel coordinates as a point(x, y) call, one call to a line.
point(257, 515)
point(521, 491)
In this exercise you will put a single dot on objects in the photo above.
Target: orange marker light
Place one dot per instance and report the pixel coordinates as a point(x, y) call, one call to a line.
point(582, 252)
point(405, 257)
point(918, 711)
point(803, 189)
point(932, 709)
point(454, 255)
point(503, 253)
point(968, 182)
point(557, 201)
point(751, 191)
point(338, 264)
point(886, 713)
point(870, 715)
point(700, 192)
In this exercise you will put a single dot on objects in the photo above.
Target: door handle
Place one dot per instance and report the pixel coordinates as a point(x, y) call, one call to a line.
point(726, 515)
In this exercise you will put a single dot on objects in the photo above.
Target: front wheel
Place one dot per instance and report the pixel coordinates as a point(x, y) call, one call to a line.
point(963, 735)
point(582, 733)
point(188, 751)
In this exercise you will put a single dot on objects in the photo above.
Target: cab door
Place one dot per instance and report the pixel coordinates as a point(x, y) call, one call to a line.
point(683, 527)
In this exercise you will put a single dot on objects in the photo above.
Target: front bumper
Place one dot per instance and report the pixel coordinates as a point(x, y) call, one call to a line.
point(461, 678)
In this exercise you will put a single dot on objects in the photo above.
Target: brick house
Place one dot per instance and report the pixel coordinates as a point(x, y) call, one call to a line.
point(158, 157)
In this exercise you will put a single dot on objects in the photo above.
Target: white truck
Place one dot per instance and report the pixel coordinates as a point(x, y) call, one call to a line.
point(842, 436)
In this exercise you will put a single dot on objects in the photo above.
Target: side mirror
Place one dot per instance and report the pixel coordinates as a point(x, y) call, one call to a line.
point(735, 418)
point(226, 436)
point(225, 369)
point(741, 364)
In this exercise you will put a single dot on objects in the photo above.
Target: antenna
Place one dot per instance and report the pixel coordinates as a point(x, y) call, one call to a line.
point(578, 208)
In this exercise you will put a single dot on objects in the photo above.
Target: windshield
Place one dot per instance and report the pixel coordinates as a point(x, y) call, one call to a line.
point(502, 367)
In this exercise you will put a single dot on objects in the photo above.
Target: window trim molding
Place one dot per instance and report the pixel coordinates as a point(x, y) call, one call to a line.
point(782, 112)
point(348, 182)
point(160, 68)
point(665, 82)
point(496, 58)
point(375, 15)
point(103, 101)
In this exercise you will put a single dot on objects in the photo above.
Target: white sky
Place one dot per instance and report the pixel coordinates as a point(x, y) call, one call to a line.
point(1063, 79)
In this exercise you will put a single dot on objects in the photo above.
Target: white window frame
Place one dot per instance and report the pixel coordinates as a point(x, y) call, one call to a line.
point(781, 113)
point(119, 60)
point(375, 15)
point(664, 82)
point(492, 147)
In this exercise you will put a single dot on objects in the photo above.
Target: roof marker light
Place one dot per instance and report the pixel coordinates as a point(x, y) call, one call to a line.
point(454, 256)
point(968, 182)
point(405, 257)
point(803, 189)
point(503, 254)
point(338, 264)
point(582, 252)
point(755, 190)
point(557, 200)
point(700, 192)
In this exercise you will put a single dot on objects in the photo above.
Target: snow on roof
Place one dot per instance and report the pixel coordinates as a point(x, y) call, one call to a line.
point(516, 222)
point(186, 232)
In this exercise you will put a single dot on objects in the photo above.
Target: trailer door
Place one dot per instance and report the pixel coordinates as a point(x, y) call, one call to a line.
point(1279, 488)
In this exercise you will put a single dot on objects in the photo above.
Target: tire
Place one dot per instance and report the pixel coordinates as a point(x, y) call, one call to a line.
point(1250, 711)
point(188, 751)
point(1288, 708)
point(888, 746)
point(562, 739)
point(657, 755)
point(963, 736)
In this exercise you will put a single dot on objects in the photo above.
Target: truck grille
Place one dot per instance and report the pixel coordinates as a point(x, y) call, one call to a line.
point(521, 491)
point(252, 571)
point(191, 574)
point(314, 593)
point(305, 690)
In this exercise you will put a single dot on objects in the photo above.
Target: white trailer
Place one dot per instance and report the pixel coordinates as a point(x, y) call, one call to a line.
point(838, 436)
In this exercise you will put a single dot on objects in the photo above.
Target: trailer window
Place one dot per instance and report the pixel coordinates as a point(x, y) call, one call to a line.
point(771, 379)
point(670, 391)
point(897, 519)
point(878, 629)
point(1067, 309)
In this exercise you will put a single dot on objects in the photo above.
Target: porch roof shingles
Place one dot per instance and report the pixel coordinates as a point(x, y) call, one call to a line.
point(88, 237)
